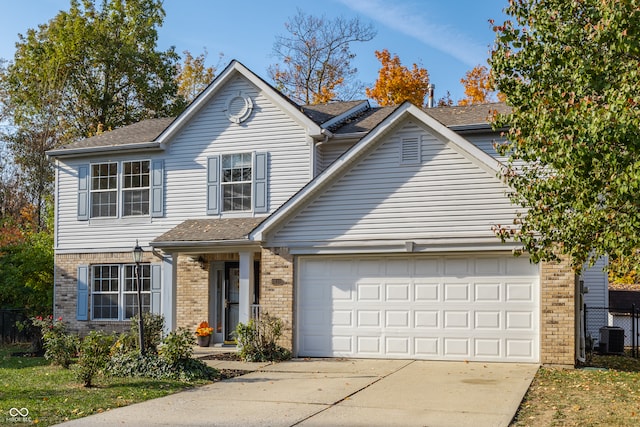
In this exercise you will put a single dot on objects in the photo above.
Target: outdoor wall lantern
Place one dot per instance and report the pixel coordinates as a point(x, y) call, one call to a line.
point(137, 258)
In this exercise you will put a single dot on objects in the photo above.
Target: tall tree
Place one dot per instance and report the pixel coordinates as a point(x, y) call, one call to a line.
point(193, 75)
point(316, 57)
point(571, 71)
point(478, 87)
point(87, 69)
point(396, 83)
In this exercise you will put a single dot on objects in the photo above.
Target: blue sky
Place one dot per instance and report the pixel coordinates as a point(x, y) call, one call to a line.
point(447, 37)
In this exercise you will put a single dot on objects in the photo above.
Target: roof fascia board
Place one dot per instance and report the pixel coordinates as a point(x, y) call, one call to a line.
point(228, 73)
point(89, 151)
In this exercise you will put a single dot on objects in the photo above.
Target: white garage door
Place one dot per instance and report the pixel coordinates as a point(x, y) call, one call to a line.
point(481, 308)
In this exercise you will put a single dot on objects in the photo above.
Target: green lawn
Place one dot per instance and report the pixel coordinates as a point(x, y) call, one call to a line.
point(52, 394)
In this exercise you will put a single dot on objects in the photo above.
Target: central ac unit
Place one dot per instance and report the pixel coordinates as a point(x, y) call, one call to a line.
point(611, 340)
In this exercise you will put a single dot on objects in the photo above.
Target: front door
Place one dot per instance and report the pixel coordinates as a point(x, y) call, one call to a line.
point(232, 299)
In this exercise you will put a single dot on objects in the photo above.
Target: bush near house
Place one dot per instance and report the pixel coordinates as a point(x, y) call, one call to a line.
point(258, 340)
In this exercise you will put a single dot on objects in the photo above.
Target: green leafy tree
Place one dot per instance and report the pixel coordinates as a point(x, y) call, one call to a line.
point(571, 71)
point(88, 69)
point(316, 58)
point(193, 76)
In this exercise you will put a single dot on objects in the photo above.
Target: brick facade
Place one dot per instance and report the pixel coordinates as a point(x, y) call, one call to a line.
point(557, 313)
point(66, 288)
point(276, 290)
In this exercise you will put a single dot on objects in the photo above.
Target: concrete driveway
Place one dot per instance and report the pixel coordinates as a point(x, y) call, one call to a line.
point(349, 392)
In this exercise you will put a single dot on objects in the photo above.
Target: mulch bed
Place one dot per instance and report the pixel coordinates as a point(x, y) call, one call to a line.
point(222, 356)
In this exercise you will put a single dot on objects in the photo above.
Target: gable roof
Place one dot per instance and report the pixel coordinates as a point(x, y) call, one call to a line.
point(233, 69)
point(322, 181)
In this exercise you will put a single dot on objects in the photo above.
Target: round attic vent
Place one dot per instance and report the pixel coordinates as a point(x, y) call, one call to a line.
point(239, 108)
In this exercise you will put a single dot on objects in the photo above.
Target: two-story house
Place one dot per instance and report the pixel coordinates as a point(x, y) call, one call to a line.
point(368, 231)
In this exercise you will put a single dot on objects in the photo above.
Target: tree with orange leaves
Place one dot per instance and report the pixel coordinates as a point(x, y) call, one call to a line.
point(478, 86)
point(396, 83)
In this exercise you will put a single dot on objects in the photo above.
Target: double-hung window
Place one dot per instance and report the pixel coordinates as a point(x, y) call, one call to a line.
point(121, 189)
point(135, 188)
point(114, 291)
point(238, 183)
point(104, 190)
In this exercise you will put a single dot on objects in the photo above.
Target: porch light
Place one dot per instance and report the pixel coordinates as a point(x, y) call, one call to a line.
point(137, 253)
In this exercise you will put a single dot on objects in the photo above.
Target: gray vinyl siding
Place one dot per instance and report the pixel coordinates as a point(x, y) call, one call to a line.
point(330, 151)
point(207, 134)
point(445, 195)
point(596, 279)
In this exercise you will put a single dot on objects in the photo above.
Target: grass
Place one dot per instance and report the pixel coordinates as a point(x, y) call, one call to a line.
point(53, 395)
point(607, 393)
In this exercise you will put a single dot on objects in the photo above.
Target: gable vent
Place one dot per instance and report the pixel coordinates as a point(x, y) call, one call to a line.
point(410, 150)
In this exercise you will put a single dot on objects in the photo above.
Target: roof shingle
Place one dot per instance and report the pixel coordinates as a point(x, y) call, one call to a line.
point(208, 230)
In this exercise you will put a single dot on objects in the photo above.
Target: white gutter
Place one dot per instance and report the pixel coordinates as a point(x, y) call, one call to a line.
point(88, 151)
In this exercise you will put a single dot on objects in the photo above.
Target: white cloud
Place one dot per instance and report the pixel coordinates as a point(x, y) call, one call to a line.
point(445, 38)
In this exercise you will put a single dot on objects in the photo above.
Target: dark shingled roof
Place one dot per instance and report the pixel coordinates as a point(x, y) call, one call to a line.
point(207, 230)
point(621, 301)
point(468, 114)
point(321, 113)
point(365, 121)
point(144, 131)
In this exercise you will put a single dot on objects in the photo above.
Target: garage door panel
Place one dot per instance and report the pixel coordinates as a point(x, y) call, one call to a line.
point(397, 292)
point(366, 308)
point(456, 292)
point(487, 292)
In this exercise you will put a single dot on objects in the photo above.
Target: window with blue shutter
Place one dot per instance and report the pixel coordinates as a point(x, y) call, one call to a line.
point(156, 288)
point(213, 182)
point(157, 188)
point(261, 194)
point(83, 193)
point(82, 301)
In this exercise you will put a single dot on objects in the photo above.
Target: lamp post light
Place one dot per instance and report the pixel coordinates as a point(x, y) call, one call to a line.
point(137, 258)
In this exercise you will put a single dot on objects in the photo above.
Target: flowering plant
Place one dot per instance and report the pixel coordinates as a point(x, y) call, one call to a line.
point(203, 329)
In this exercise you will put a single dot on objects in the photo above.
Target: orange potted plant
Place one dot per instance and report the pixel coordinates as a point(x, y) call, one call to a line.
point(203, 332)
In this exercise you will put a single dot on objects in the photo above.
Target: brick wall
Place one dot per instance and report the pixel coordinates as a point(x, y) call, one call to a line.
point(66, 285)
point(557, 319)
point(276, 289)
point(192, 292)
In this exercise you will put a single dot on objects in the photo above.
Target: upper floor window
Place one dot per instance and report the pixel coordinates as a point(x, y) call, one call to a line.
point(135, 189)
point(121, 189)
point(236, 182)
point(104, 190)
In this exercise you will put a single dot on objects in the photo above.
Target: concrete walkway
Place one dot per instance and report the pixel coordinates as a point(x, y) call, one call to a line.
point(349, 392)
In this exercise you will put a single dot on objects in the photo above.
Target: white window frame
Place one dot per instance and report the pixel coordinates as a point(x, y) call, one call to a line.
point(243, 182)
point(93, 192)
point(141, 188)
point(120, 189)
point(123, 280)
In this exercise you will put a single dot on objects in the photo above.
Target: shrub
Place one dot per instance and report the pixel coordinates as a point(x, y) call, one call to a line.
point(177, 346)
point(258, 340)
point(60, 347)
point(94, 355)
point(153, 325)
point(173, 362)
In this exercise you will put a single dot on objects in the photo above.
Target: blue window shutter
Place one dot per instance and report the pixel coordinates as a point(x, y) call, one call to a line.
point(83, 193)
point(261, 190)
point(213, 185)
point(157, 188)
point(156, 286)
point(82, 307)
